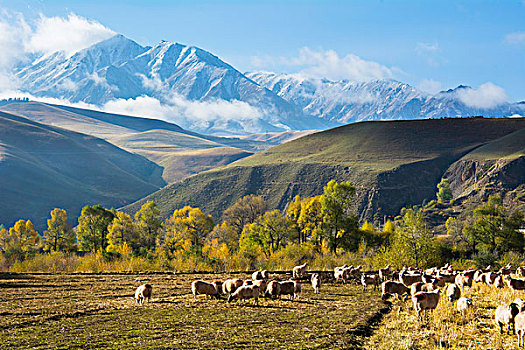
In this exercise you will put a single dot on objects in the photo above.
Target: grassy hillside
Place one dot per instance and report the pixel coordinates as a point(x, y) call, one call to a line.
point(43, 167)
point(165, 143)
point(393, 164)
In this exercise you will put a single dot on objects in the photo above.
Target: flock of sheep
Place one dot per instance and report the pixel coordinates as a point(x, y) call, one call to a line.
point(424, 287)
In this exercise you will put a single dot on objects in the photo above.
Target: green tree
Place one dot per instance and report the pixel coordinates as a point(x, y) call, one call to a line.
point(92, 227)
point(186, 227)
point(122, 232)
point(339, 224)
point(20, 240)
point(494, 229)
point(245, 211)
point(413, 241)
point(59, 235)
point(444, 193)
point(270, 231)
point(148, 225)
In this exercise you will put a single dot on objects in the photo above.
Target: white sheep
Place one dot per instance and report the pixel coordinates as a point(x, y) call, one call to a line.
point(246, 292)
point(463, 304)
point(316, 283)
point(273, 289)
point(201, 287)
point(260, 275)
point(299, 271)
point(229, 286)
point(144, 291)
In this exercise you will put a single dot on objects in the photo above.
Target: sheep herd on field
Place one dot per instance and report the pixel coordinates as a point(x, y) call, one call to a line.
point(424, 287)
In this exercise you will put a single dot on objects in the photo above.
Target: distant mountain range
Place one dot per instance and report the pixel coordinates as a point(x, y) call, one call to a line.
point(119, 68)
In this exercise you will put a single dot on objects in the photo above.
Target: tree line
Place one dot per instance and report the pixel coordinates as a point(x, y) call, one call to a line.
point(250, 234)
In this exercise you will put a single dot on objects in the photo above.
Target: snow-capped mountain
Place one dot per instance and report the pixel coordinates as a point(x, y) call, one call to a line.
point(199, 91)
point(349, 101)
point(172, 73)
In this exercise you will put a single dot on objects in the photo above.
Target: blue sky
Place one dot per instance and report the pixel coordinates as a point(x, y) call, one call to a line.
point(431, 44)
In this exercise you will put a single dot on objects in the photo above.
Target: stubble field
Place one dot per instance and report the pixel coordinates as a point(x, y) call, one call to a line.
point(97, 311)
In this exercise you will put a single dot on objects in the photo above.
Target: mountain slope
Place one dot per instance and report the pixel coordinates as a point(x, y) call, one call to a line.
point(392, 164)
point(43, 167)
point(350, 101)
point(164, 143)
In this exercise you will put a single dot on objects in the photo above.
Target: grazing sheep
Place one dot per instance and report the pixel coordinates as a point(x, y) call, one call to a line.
point(463, 304)
point(260, 275)
point(384, 273)
point(520, 303)
point(498, 282)
point(453, 292)
point(426, 301)
point(369, 280)
point(355, 273)
point(201, 287)
point(299, 271)
point(393, 287)
point(218, 286)
point(247, 283)
point(464, 280)
point(229, 286)
point(144, 291)
point(513, 283)
point(246, 292)
point(316, 283)
point(342, 273)
point(422, 287)
point(519, 326)
point(261, 284)
point(505, 315)
point(409, 279)
point(291, 288)
point(273, 289)
point(447, 277)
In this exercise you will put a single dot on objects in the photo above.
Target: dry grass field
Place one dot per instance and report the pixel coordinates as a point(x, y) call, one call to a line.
point(447, 328)
point(97, 311)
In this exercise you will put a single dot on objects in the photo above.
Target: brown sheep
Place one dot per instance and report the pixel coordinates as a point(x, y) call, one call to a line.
point(144, 291)
point(453, 292)
point(201, 287)
point(520, 271)
point(514, 284)
point(393, 287)
point(426, 301)
point(505, 315)
point(291, 288)
point(464, 280)
point(422, 287)
point(246, 292)
point(273, 289)
point(260, 275)
point(408, 279)
point(498, 282)
point(384, 273)
point(261, 284)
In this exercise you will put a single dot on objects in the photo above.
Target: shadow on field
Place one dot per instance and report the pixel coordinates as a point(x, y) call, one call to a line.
point(359, 333)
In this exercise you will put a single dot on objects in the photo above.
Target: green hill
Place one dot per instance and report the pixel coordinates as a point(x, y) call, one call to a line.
point(165, 143)
point(43, 167)
point(392, 163)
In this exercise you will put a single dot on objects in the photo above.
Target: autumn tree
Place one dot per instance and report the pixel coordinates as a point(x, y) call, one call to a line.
point(186, 228)
point(245, 211)
point(59, 235)
point(122, 233)
point(270, 231)
point(306, 218)
point(339, 224)
point(20, 240)
point(148, 225)
point(92, 227)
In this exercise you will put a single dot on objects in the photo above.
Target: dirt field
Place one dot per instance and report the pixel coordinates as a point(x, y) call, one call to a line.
point(98, 311)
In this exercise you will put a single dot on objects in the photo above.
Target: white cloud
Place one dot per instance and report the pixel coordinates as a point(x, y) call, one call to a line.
point(430, 86)
point(486, 96)
point(69, 34)
point(327, 64)
point(431, 53)
point(422, 48)
point(515, 38)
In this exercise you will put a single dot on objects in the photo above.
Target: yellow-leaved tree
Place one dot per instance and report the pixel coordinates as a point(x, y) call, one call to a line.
point(122, 234)
point(59, 235)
